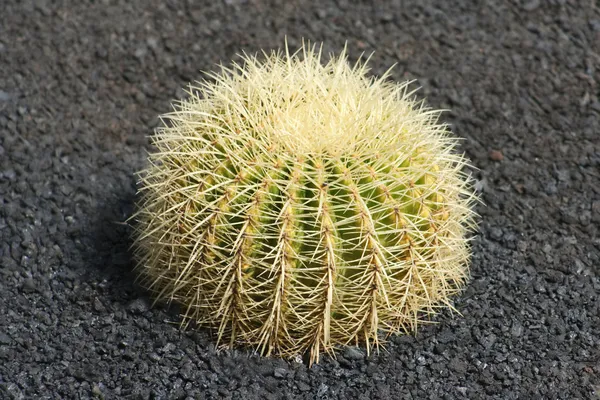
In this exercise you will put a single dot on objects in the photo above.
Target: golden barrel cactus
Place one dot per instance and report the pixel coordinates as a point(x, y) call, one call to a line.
point(296, 205)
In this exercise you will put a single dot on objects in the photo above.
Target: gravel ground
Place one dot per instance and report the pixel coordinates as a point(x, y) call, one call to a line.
point(81, 84)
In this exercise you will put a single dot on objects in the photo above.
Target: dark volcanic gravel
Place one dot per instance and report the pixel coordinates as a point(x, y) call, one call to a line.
point(81, 84)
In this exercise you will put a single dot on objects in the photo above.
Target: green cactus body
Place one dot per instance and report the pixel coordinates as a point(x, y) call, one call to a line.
point(294, 205)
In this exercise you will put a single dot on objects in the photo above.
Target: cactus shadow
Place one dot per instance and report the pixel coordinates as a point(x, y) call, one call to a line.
point(110, 261)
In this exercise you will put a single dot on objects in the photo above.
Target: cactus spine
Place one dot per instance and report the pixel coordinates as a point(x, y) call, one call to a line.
point(295, 205)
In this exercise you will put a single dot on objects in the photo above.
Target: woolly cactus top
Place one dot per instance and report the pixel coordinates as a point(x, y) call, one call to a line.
point(297, 205)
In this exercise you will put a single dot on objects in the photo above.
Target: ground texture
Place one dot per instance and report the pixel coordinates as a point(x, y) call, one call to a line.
point(81, 85)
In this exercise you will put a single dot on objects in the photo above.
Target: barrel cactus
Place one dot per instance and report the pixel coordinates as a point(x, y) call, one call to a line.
point(296, 204)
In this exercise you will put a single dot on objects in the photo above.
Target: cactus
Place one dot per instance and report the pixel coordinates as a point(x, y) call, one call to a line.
point(296, 205)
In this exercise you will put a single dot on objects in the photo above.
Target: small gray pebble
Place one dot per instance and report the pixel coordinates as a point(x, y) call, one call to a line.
point(4, 96)
point(139, 306)
point(352, 353)
point(4, 338)
point(29, 285)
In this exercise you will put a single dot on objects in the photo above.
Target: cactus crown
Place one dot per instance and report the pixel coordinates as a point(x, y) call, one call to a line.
point(296, 205)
